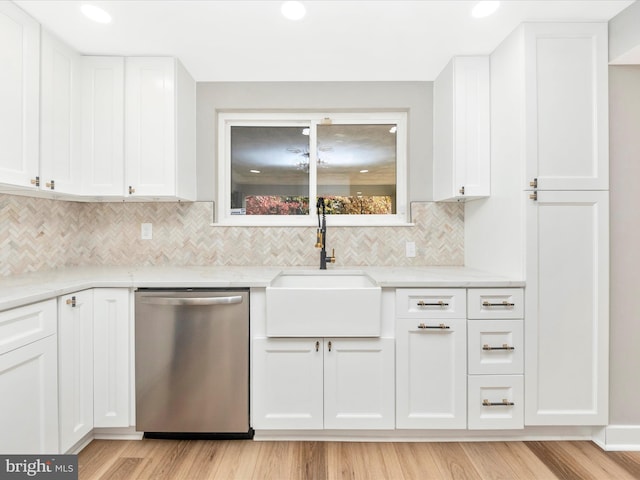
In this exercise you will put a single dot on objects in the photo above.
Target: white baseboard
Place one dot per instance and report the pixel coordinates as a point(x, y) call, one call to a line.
point(117, 434)
point(619, 437)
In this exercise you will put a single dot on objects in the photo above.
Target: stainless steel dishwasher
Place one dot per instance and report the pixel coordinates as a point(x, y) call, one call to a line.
point(192, 363)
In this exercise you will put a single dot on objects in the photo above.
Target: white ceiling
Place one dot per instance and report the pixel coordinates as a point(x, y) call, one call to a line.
point(355, 40)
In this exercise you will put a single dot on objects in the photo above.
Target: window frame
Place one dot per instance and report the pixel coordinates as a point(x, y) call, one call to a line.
point(226, 120)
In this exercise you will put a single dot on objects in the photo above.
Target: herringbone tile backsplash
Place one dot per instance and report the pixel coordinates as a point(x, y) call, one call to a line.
point(41, 234)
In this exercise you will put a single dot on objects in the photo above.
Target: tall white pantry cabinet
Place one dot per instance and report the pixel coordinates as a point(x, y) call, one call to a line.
point(548, 218)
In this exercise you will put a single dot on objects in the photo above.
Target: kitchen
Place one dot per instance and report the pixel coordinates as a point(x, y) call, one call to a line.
point(44, 235)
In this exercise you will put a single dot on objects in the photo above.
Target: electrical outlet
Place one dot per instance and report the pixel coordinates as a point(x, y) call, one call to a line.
point(410, 249)
point(146, 231)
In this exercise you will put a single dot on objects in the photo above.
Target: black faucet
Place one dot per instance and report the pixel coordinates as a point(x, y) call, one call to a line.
point(321, 234)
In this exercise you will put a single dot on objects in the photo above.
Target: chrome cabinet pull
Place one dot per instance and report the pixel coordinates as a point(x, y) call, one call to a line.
point(440, 303)
point(503, 347)
point(442, 326)
point(503, 403)
point(503, 304)
point(71, 301)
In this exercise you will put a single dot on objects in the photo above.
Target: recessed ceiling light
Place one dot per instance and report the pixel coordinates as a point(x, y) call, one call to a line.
point(485, 8)
point(96, 14)
point(254, 171)
point(364, 171)
point(293, 10)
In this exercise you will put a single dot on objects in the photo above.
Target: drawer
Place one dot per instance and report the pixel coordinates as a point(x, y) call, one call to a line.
point(493, 303)
point(23, 325)
point(431, 303)
point(495, 402)
point(496, 347)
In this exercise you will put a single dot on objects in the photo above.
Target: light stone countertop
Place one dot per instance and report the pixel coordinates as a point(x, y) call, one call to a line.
point(20, 290)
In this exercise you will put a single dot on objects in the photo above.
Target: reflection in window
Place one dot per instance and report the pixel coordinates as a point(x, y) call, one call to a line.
point(273, 166)
point(357, 168)
point(269, 170)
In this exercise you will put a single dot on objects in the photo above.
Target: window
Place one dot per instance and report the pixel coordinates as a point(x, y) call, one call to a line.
point(273, 167)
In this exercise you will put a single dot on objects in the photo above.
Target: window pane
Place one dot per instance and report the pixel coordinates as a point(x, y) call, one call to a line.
point(269, 170)
point(357, 168)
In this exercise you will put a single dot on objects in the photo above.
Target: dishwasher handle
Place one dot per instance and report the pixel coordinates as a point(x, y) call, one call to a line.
point(191, 300)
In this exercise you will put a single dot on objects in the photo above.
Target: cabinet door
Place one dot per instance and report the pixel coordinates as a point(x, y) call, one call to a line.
point(103, 125)
point(462, 130)
point(75, 365)
point(111, 366)
point(19, 96)
point(150, 126)
point(29, 400)
point(567, 106)
point(60, 167)
point(431, 373)
point(359, 383)
point(566, 309)
point(287, 383)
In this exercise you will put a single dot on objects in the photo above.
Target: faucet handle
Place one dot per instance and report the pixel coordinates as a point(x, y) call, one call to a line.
point(332, 259)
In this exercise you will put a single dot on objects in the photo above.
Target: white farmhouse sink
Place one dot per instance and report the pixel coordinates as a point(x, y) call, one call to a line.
point(319, 303)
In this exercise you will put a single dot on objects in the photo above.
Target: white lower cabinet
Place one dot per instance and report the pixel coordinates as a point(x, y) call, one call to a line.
point(431, 373)
point(316, 383)
point(75, 367)
point(29, 379)
point(111, 357)
point(567, 308)
point(496, 402)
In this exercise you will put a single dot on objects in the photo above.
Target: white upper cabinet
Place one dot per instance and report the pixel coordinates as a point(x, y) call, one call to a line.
point(19, 96)
point(159, 128)
point(103, 125)
point(461, 130)
point(566, 106)
point(60, 161)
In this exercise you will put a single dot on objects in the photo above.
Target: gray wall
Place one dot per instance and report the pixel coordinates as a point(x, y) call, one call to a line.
point(624, 141)
point(413, 97)
point(624, 31)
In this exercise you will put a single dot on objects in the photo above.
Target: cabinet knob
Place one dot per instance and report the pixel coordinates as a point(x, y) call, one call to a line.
point(71, 301)
point(534, 183)
point(51, 185)
point(534, 196)
point(35, 181)
point(131, 190)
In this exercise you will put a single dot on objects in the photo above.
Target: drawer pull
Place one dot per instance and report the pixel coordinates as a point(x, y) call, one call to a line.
point(503, 403)
point(503, 347)
point(442, 326)
point(317, 346)
point(440, 304)
point(503, 304)
point(71, 301)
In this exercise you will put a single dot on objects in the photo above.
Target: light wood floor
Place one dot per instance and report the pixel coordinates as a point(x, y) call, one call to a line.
point(245, 460)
